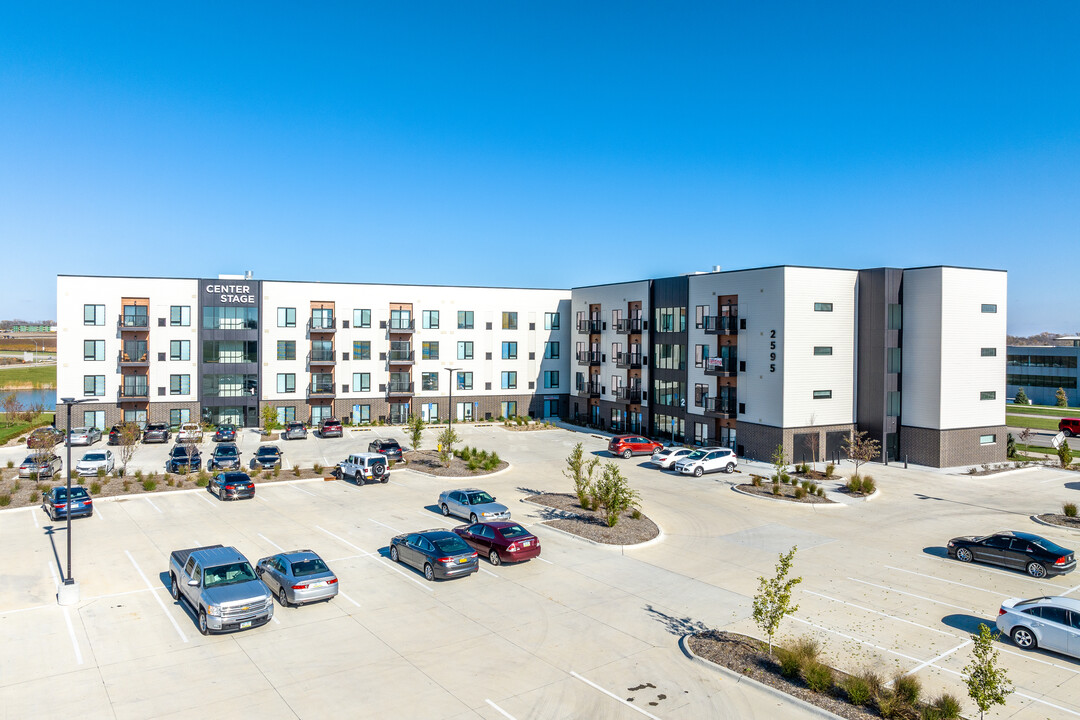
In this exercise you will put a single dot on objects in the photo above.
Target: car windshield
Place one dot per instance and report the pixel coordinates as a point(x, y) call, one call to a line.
point(300, 568)
point(480, 498)
point(226, 451)
point(270, 451)
point(228, 574)
point(1052, 548)
point(179, 451)
point(94, 457)
point(696, 455)
point(77, 493)
point(451, 545)
point(30, 460)
point(513, 531)
point(155, 428)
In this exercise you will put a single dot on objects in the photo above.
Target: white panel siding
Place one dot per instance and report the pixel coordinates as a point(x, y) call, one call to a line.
point(921, 362)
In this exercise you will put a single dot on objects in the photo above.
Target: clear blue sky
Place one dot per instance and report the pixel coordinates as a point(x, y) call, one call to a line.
point(542, 144)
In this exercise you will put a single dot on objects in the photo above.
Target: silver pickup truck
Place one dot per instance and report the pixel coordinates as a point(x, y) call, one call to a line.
point(221, 588)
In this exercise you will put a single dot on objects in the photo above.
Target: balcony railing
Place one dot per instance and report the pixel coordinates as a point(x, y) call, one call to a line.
point(399, 389)
point(630, 326)
point(588, 357)
point(717, 407)
point(588, 326)
point(138, 358)
point(134, 322)
point(322, 357)
point(592, 389)
point(400, 357)
point(134, 392)
point(401, 326)
point(720, 367)
point(322, 324)
point(628, 360)
point(628, 394)
point(320, 389)
point(721, 325)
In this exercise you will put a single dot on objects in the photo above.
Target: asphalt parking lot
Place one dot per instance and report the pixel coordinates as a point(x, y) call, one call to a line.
point(584, 631)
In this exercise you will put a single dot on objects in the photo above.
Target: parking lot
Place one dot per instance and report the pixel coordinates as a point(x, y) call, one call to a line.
point(584, 631)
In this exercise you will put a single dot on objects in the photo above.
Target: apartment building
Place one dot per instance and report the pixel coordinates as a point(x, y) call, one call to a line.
point(801, 357)
point(219, 350)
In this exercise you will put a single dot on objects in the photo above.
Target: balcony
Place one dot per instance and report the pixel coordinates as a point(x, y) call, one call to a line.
point(137, 358)
point(400, 357)
point(401, 326)
point(133, 393)
point(592, 389)
point(319, 389)
point(721, 325)
point(631, 326)
point(588, 326)
point(133, 323)
point(399, 389)
point(628, 360)
point(720, 367)
point(322, 324)
point(321, 357)
point(588, 357)
point(719, 408)
point(628, 394)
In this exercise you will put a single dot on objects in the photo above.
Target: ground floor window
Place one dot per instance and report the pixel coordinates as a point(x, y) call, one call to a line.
point(727, 437)
point(320, 413)
point(230, 415)
point(464, 411)
point(429, 412)
point(668, 427)
point(286, 414)
point(179, 416)
point(136, 416)
point(94, 418)
point(701, 433)
point(551, 408)
point(987, 439)
point(399, 413)
point(361, 414)
point(508, 409)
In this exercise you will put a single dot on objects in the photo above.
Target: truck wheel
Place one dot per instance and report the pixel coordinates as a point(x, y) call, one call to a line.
point(174, 587)
point(203, 627)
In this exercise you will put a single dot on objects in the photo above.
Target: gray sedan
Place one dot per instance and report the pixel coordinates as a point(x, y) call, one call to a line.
point(1052, 623)
point(473, 505)
point(297, 577)
point(85, 435)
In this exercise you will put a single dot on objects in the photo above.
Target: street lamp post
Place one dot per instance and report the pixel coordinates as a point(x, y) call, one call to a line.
point(68, 593)
point(450, 412)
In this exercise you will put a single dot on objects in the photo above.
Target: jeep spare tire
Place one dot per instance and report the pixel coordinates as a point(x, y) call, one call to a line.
point(378, 470)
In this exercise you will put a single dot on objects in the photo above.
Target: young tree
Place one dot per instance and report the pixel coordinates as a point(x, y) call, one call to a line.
point(127, 442)
point(773, 600)
point(1062, 398)
point(861, 449)
point(1064, 453)
point(1021, 397)
point(614, 493)
point(447, 438)
point(779, 461)
point(269, 418)
point(12, 408)
point(416, 431)
point(987, 684)
point(581, 471)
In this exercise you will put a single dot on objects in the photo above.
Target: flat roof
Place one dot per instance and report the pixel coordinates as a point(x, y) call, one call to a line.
point(316, 282)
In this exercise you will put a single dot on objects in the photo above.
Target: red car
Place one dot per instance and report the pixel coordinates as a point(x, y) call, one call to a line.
point(627, 445)
point(1069, 426)
point(500, 541)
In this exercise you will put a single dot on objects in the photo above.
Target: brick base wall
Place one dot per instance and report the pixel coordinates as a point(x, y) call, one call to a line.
point(952, 448)
point(758, 442)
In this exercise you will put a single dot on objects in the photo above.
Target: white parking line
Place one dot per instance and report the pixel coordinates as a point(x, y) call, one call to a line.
point(951, 582)
point(543, 560)
point(1049, 704)
point(878, 612)
point(203, 498)
point(152, 504)
point(857, 640)
point(384, 525)
point(500, 710)
point(33, 516)
point(302, 490)
point(920, 597)
point(942, 656)
point(348, 598)
point(1031, 658)
point(440, 518)
point(55, 578)
point(1071, 590)
point(157, 597)
point(488, 572)
point(613, 695)
point(279, 548)
point(1014, 575)
point(71, 634)
point(344, 541)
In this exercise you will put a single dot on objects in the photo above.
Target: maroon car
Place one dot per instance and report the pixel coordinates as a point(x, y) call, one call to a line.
point(627, 445)
point(500, 541)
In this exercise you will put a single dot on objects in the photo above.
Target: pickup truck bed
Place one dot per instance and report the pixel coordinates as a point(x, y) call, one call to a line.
point(180, 556)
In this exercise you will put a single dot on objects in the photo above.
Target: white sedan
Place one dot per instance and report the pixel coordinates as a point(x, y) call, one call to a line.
point(85, 435)
point(91, 461)
point(668, 456)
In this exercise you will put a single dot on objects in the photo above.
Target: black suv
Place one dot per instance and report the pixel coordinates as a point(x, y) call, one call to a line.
point(183, 456)
point(389, 448)
point(330, 427)
point(225, 457)
point(154, 432)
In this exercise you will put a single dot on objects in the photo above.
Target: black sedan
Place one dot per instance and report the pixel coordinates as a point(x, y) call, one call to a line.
point(183, 456)
point(225, 457)
point(55, 502)
point(439, 553)
point(231, 486)
point(267, 457)
point(225, 433)
point(154, 432)
point(1035, 555)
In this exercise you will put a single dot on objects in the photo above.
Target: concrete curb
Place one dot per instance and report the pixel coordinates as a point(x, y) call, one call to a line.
point(830, 504)
point(508, 468)
point(740, 678)
point(565, 514)
point(1035, 518)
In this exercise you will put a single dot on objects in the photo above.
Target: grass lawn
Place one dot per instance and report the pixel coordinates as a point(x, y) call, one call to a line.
point(36, 375)
point(1032, 421)
point(1042, 410)
point(22, 428)
point(1037, 449)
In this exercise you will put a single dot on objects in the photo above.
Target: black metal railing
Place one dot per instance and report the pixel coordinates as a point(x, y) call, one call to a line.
point(629, 360)
point(399, 326)
point(589, 326)
point(134, 357)
point(322, 324)
point(321, 388)
point(134, 322)
point(720, 367)
point(134, 392)
point(721, 325)
point(718, 407)
point(400, 356)
point(630, 326)
point(628, 394)
point(399, 388)
point(321, 357)
point(588, 357)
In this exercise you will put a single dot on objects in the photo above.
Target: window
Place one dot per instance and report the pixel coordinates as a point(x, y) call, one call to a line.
point(671, 319)
point(464, 381)
point(401, 320)
point(892, 403)
point(93, 314)
point(509, 321)
point(286, 382)
point(988, 395)
point(464, 350)
point(822, 394)
point(822, 307)
point(180, 315)
point(671, 392)
point(361, 382)
point(94, 385)
point(465, 319)
point(989, 352)
point(94, 350)
point(551, 350)
point(987, 439)
point(430, 319)
point(894, 358)
point(230, 318)
point(551, 379)
point(699, 316)
point(1051, 381)
point(700, 393)
point(286, 414)
point(179, 416)
point(551, 321)
point(230, 351)
point(361, 318)
point(509, 380)
point(701, 353)
point(179, 384)
point(669, 357)
point(286, 349)
point(988, 308)
point(429, 381)
point(430, 350)
point(179, 349)
point(1044, 361)
point(507, 409)
point(286, 317)
point(361, 350)
point(509, 351)
point(896, 317)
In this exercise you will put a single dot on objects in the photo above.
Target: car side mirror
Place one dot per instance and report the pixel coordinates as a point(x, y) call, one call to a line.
point(493, 498)
point(193, 583)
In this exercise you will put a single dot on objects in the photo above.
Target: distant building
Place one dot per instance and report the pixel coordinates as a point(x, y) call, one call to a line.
point(32, 328)
point(1042, 370)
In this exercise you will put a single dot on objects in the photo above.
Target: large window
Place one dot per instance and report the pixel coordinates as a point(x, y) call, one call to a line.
point(401, 320)
point(669, 357)
point(230, 318)
point(551, 321)
point(179, 349)
point(465, 350)
point(286, 382)
point(286, 414)
point(286, 317)
point(1041, 361)
point(894, 359)
point(136, 316)
point(361, 413)
point(465, 319)
point(286, 349)
point(93, 314)
point(509, 351)
point(1054, 381)
point(179, 416)
point(429, 381)
point(94, 350)
point(361, 382)
point(670, 392)
point(229, 385)
point(430, 319)
point(551, 350)
point(361, 349)
point(94, 385)
point(230, 351)
point(361, 318)
point(509, 380)
point(179, 384)
point(322, 318)
point(671, 319)
point(551, 379)
point(896, 317)
point(180, 315)
point(464, 380)
point(509, 321)
point(429, 350)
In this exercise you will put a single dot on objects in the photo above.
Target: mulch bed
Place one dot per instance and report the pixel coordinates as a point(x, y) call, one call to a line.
point(427, 461)
point(787, 492)
point(1061, 520)
point(591, 525)
point(750, 657)
point(528, 428)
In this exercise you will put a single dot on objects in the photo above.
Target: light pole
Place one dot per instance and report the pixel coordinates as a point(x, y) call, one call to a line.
point(69, 591)
point(450, 412)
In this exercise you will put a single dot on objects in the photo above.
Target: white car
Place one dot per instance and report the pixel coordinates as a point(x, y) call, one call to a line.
point(706, 460)
point(668, 456)
point(85, 435)
point(91, 461)
point(1050, 623)
point(189, 432)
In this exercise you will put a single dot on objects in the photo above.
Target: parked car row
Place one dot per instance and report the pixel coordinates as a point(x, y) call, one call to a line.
point(683, 460)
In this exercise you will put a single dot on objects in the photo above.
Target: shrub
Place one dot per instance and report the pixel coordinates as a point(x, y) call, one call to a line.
point(807, 648)
point(858, 690)
point(168, 482)
point(948, 706)
point(5, 500)
point(277, 470)
point(95, 488)
point(785, 477)
point(891, 706)
point(138, 476)
point(868, 485)
point(755, 481)
point(317, 468)
point(776, 489)
point(127, 486)
point(296, 470)
point(800, 493)
point(805, 484)
point(42, 487)
point(854, 485)
point(819, 677)
point(149, 485)
point(829, 470)
point(821, 492)
point(202, 482)
point(873, 681)
point(100, 472)
point(1069, 509)
point(636, 514)
point(473, 463)
point(10, 464)
point(908, 688)
point(790, 663)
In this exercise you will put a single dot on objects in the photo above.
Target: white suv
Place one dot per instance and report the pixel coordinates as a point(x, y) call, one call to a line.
point(711, 459)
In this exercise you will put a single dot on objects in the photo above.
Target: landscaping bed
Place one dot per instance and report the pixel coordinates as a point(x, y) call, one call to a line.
point(428, 461)
point(590, 524)
point(1060, 520)
point(787, 492)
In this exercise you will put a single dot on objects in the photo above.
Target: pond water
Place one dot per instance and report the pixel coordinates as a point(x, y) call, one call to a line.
point(29, 398)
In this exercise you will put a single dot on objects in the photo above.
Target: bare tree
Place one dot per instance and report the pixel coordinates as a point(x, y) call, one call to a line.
point(861, 448)
point(127, 442)
point(12, 408)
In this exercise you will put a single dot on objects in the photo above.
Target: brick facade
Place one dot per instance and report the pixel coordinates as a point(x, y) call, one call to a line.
point(952, 448)
point(758, 442)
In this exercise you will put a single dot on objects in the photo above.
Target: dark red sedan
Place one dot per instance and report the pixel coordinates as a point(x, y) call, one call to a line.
point(500, 541)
